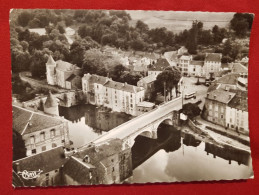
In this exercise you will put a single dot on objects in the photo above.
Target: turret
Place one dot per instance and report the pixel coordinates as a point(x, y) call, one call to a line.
point(51, 71)
point(51, 105)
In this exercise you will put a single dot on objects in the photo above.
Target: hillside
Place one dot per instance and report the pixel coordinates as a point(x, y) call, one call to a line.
point(179, 21)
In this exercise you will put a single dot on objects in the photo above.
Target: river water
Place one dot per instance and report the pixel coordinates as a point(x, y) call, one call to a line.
point(173, 156)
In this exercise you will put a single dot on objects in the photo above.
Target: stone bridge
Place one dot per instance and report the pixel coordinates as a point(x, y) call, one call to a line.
point(145, 124)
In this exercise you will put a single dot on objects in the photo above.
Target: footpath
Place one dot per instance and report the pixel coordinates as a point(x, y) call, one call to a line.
point(222, 135)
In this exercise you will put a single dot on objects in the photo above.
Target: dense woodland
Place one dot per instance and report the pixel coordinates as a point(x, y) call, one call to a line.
point(96, 28)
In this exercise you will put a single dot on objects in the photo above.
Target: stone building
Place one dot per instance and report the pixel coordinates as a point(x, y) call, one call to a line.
point(184, 63)
point(41, 169)
point(120, 97)
point(59, 72)
point(105, 163)
point(212, 64)
point(148, 84)
point(39, 131)
point(237, 113)
point(215, 106)
point(50, 106)
point(156, 68)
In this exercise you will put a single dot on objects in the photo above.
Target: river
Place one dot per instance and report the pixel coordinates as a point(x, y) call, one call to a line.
point(173, 156)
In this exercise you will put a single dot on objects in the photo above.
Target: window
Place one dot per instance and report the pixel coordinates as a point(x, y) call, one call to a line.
point(131, 95)
point(210, 106)
point(112, 160)
point(112, 169)
point(52, 133)
point(43, 148)
point(131, 105)
point(42, 136)
point(54, 145)
point(33, 151)
point(32, 139)
point(221, 116)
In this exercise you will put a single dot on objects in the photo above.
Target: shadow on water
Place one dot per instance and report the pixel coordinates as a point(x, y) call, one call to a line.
point(168, 139)
point(96, 117)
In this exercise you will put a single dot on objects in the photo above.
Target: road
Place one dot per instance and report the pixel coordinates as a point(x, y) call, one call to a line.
point(133, 125)
point(189, 84)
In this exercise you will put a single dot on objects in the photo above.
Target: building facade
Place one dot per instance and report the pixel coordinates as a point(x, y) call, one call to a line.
point(59, 72)
point(215, 106)
point(148, 84)
point(237, 113)
point(39, 131)
point(184, 63)
point(212, 64)
point(119, 97)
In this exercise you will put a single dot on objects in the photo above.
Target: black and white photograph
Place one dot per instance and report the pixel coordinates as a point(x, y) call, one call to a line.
point(104, 97)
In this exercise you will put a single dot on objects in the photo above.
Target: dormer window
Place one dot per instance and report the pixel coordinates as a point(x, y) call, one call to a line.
point(86, 159)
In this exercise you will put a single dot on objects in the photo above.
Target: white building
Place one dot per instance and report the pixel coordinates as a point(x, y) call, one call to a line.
point(195, 68)
point(184, 63)
point(237, 113)
point(212, 64)
point(120, 97)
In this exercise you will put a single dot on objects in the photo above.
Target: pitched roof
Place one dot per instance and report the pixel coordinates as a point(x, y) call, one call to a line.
point(140, 68)
point(213, 57)
point(230, 79)
point(123, 86)
point(51, 101)
point(26, 121)
point(96, 78)
point(71, 77)
point(41, 161)
point(184, 57)
point(238, 68)
point(221, 95)
point(99, 152)
point(65, 66)
point(51, 61)
point(149, 79)
point(160, 65)
point(197, 63)
point(239, 102)
point(77, 169)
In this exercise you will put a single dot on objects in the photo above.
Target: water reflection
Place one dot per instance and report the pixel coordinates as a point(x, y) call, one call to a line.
point(176, 158)
point(87, 122)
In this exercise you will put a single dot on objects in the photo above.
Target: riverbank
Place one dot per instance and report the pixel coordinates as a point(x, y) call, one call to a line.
point(203, 134)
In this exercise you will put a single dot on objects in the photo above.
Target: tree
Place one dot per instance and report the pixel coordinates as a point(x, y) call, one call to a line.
point(168, 79)
point(191, 110)
point(84, 31)
point(130, 78)
point(19, 150)
point(142, 27)
point(24, 18)
point(117, 72)
point(241, 23)
point(38, 63)
point(192, 39)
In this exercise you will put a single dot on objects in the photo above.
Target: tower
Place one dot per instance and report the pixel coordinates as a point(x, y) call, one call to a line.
point(51, 71)
point(51, 105)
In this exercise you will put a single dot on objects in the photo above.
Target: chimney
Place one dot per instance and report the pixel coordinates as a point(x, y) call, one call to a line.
point(229, 96)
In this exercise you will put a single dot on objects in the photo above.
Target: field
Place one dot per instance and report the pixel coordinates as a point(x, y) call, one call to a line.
point(178, 21)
